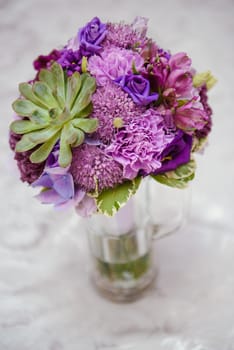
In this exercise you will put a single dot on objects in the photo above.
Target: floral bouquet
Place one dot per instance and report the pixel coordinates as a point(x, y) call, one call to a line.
point(105, 111)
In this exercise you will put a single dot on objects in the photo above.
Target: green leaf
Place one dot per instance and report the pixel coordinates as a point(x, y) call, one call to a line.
point(73, 87)
point(85, 112)
point(207, 78)
point(43, 151)
point(43, 92)
point(178, 178)
point(26, 91)
point(24, 126)
point(88, 86)
point(26, 108)
point(43, 135)
point(25, 144)
point(71, 134)
point(111, 200)
point(80, 138)
point(65, 154)
point(87, 125)
point(58, 74)
point(47, 77)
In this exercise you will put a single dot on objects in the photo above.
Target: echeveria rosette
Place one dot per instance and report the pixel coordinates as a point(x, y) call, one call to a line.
point(138, 88)
point(54, 108)
point(91, 36)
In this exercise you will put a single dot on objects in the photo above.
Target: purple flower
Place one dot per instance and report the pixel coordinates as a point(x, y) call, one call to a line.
point(91, 36)
point(176, 153)
point(138, 88)
point(44, 61)
point(71, 61)
point(139, 144)
point(113, 63)
point(29, 172)
point(93, 169)
point(202, 133)
point(110, 102)
point(58, 188)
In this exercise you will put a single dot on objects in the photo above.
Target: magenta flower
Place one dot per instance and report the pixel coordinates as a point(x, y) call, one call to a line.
point(138, 88)
point(190, 117)
point(113, 63)
point(91, 36)
point(45, 61)
point(138, 145)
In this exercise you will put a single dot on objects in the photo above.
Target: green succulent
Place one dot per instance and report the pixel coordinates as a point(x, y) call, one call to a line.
point(56, 108)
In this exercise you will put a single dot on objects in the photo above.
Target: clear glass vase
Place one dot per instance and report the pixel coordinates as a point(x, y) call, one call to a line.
point(168, 207)
point(121, 248)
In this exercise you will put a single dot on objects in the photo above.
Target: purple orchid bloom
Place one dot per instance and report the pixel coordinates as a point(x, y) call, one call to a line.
point(138, 88)
point(176, 153)
point(91, 36)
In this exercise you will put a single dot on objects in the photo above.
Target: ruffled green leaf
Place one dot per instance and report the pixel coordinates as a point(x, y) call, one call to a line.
point(24, 126)
point(111, 200)
point(43, 92)
point(73, 87)
point(87, 125)
point(178, 178)
point(43, 151)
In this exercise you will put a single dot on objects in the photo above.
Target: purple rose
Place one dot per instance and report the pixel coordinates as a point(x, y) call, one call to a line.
point(138, 88)
point(91, 36)
point(176, 153)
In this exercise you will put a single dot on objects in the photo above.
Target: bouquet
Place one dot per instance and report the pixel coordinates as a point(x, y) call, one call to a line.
point(105, 111)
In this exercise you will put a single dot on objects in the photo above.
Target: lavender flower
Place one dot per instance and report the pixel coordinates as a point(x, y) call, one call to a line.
point(138, 146)
point(124, 35)
point(93, 169)
point(138, 88)
point(113, 63)
point(91, 36)
point(111, 102)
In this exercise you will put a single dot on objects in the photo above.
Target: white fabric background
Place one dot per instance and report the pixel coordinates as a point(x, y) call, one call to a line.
point(46, 300)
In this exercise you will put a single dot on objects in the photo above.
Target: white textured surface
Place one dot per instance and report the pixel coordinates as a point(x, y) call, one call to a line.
point(46, 300)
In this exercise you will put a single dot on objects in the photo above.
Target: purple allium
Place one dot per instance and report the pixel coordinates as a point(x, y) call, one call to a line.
point(29, 171)
point(176, 153)
point(45, 61)
point(110, 102)
point(91, 36)
point(202, 133)
point(70, 61)
point(139, 144)
point(138, 88)
point(93, 169)
point(123, 36)
point(113, 63)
